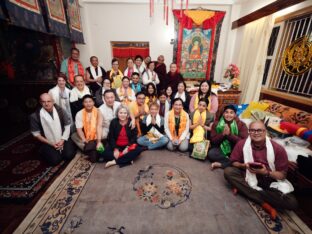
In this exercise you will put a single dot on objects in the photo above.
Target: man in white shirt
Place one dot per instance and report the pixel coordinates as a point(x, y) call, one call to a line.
point(108, 110)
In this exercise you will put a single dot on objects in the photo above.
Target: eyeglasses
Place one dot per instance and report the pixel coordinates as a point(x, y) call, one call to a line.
point(256, 131)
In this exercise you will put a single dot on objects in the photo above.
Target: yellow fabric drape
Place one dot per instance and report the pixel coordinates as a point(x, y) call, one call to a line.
point(198, 16)
point(171, 123)
point(199, 131)
point(197, 101)
point(90, 124)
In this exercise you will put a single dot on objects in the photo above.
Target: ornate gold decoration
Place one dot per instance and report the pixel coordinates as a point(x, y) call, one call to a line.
point(297, 57)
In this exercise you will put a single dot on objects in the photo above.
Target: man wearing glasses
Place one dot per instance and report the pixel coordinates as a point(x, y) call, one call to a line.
point(259, 169)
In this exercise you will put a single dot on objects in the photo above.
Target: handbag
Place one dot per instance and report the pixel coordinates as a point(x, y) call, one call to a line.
point(200, 150)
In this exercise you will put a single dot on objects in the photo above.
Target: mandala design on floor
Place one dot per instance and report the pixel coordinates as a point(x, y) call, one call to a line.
point(22, 148)
point(163, 185)
point(26, 167)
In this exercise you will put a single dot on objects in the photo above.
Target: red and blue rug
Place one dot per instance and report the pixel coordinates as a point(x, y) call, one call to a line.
point(22, 172)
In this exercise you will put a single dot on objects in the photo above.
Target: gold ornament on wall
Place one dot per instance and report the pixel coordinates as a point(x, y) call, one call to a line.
point(297, 57)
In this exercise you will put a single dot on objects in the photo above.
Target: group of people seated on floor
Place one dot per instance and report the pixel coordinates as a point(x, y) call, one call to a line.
point(113, 116)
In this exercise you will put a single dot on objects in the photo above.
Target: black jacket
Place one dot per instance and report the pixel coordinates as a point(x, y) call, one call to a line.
point(114, 130)
point(145, 128)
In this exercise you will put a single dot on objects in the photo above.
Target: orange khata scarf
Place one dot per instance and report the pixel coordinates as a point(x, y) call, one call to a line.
point(171, 123)
point(71, 70)
point(134, 109)
point(197, 100)
point(121, 93)
point(150, 100)
point(89, 124)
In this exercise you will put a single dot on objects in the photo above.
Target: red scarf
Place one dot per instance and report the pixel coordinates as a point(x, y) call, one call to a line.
point(71, 70)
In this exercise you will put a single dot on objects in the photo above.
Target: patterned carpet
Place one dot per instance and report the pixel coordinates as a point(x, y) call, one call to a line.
point(22, 172)
point(161, 192)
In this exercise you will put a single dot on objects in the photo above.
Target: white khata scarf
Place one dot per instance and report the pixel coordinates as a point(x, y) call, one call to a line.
point(52, 128)
point(61, 98)
point(282, 185)
point(182, 96)
point(76, 94)
point(100, 74)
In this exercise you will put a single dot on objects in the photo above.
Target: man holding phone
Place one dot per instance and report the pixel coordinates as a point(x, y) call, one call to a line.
point(259, 169)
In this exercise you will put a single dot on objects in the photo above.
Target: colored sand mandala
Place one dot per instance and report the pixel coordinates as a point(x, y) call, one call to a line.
point(162, 185)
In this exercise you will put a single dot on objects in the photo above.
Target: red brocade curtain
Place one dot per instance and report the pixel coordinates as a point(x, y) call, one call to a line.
point(186, 22)
point(130, 49)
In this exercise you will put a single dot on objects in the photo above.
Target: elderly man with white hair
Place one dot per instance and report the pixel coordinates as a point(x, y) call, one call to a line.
point(50, 124)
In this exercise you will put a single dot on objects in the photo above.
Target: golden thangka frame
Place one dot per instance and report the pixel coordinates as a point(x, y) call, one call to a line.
point(297, 57)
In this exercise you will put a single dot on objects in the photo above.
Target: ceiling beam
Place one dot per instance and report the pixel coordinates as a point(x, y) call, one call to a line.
point(264, 11)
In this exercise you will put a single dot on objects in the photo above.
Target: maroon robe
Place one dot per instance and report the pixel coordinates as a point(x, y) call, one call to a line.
point(173, 79)
point(161, 70)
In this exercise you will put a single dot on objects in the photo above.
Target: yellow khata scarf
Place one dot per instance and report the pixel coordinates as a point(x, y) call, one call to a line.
point(197, 100)
point(89, 124)
point(171, 123)
point(199, 131)
point(116, 81)
point(149, 100)
point(121, 93)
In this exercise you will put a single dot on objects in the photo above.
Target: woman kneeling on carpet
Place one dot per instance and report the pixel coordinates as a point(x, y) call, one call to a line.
point(225, 133)
point(122, 148)
point(152, 127)
point(201, 121)
point(177, 124)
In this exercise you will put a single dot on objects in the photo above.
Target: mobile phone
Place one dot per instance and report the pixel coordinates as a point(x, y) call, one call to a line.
point(255, 165)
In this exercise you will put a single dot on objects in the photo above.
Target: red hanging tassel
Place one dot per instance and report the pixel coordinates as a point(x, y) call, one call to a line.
point(181, 7)
point(164, 9)
point(186, 6)
point(167, 9)
point(172, 4)
point(150, 6)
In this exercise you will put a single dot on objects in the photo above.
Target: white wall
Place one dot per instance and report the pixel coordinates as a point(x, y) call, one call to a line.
point(104, 22)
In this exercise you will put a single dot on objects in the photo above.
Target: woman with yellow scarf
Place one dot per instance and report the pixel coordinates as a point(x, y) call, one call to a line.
point(204, 91)
point(225, 133)
point(177, 124)
point(201, 121)
point(125, 93)
point(115, 75)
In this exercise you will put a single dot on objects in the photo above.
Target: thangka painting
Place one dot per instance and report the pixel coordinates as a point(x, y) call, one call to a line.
point(56, 10)
point(31, 5)
point(195, 52)
point(74, 15)
point(197, 35)
point(26, 13)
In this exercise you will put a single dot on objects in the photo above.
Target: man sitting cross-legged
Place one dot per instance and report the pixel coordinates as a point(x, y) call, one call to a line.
point(89, 129)
point(259, 168)
point(51, 126)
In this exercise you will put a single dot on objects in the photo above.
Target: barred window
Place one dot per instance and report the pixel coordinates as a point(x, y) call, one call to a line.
point(274, 76)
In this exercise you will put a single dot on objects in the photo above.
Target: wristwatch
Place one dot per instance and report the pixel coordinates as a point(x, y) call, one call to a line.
point(268, 174)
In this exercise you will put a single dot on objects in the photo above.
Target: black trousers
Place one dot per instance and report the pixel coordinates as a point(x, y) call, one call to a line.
point(54, 157)
point(274, 197)
point(215, 155)
point(125, 159)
